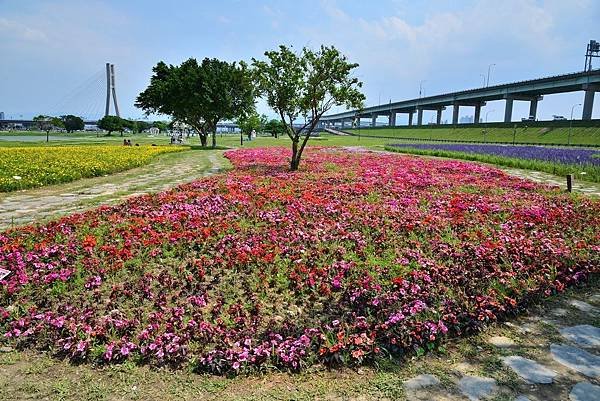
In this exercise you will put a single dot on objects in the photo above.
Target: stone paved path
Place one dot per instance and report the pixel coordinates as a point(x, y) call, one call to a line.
point(552, 354)
point(579, 186)
point(166, 171)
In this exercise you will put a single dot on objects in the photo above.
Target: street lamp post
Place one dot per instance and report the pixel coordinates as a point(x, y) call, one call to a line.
point(488, 75)
point(571, 122)
point(421, 87)
point(486, 115)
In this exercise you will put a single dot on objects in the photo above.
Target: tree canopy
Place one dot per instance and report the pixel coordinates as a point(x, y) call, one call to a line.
point(250, 122)
point(199, 94)
point(161, 125)
point(275, 127)
point(305, 86)
point(72, 123)
point(48, 123)
point(111, 123)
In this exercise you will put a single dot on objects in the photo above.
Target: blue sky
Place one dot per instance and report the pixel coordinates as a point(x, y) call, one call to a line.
point(51, 48)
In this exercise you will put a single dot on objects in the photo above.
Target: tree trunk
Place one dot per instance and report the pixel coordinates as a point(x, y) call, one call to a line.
point(295, 156)
point(202, 139)
point(214, 139)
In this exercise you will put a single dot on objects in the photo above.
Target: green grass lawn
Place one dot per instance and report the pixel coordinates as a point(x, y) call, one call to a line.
point(541, 135)
point(228, 140)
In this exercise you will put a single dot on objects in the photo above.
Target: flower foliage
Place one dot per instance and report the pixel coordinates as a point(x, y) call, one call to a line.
point(354, 256)
point(40, 166)
point(558, 161)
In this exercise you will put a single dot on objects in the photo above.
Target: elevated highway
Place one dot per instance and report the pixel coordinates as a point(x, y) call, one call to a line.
point(531, 90)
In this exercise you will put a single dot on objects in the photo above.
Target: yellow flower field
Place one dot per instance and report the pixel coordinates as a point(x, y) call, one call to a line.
point(30, 167)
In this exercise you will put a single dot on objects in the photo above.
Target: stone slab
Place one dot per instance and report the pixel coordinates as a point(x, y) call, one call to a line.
point(421, 381)
point(583, 306)
point(530, 371)
point(476, 388)
point(501, 342)
point(584, 391)
point(585, 335)
point(576, 359)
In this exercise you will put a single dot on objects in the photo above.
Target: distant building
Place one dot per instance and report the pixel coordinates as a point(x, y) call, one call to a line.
point(1, 115)
point(466, 119)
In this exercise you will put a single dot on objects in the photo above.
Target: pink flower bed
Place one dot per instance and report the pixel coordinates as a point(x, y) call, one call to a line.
point(355, 256)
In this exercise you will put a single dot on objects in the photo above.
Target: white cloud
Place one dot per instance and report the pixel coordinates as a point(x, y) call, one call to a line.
point(18, 31)
point(395, 51)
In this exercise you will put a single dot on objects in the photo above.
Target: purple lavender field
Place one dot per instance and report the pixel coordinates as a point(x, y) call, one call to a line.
point(556, 155)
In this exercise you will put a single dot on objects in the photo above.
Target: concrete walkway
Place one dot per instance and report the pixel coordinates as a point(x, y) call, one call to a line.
point(166, 171)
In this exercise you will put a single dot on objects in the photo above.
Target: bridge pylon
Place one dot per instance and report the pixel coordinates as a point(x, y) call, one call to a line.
point(110, 89)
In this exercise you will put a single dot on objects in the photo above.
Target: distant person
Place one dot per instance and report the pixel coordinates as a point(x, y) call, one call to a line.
point(124, 142)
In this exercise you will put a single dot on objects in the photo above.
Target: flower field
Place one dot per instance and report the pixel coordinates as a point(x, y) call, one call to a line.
point(354, 257)
point(31, 167)
point(559, 161)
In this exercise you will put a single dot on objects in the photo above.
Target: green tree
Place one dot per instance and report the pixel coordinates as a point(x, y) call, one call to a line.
point(163, 126)
point(72, 123)
point(111, 124)
point(199, 94)
point(47, 124)
point(141, 126)
point(275, 128)
point(250, 122)
point(43, 123)
point(306, 85)
point(56, 123)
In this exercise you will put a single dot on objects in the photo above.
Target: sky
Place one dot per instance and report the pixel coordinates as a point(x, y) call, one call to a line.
point(53, 52)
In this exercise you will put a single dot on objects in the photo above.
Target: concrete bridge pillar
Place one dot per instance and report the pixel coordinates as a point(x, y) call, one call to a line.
point(477, 114)
point(410, 118)
point(508, 110)
point(439, 115)
point(533, 107)
point(419, 116)
point(374, 121)
point(455, 110)
point(392, 119)
point(588, 104)
point(343, 124)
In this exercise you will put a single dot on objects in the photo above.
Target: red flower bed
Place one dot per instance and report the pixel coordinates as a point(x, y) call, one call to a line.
point(353, 256)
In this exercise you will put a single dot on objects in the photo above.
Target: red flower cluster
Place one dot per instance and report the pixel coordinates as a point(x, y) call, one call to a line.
point(353, 256)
